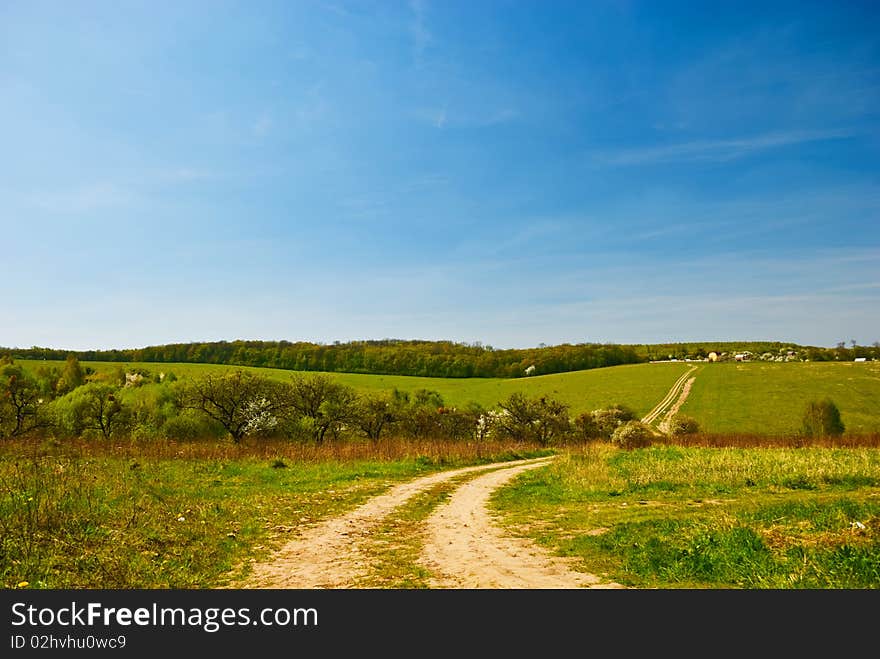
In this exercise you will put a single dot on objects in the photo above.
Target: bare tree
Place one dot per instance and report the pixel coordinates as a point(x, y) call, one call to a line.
point(243, 403)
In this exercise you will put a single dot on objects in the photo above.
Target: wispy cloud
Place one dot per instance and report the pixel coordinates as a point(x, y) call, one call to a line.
point(717, 150)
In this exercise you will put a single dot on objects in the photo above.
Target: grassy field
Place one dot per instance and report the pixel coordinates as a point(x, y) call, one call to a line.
point(189, 515)
point(169, 515)
point(769, 398)
point(640, 386)
point(764, 398)
point(671, 517)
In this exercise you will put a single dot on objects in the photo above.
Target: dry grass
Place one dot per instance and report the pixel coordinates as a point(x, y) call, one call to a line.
point(430, 451)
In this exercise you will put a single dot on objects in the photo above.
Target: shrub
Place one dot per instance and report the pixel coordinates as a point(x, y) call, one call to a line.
point(607, 420)
point(189, 425)
point(822, 419)
point(586, 426)
point(632, 434)
point(683, 425)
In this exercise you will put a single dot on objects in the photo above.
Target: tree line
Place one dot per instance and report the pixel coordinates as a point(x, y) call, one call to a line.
point(388, 357)
point(432, 358)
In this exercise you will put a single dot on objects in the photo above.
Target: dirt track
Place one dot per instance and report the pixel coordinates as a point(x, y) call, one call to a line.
point(464, 548)
point(669, 399)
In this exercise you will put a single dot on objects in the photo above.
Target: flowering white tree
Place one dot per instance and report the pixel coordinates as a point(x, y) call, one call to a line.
point(243, 403)
point(260, 416)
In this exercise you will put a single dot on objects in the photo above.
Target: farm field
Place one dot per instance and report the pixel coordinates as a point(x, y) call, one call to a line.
point(769, 398)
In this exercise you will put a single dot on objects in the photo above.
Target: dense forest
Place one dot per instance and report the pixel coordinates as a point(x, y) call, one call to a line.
point(438, 358)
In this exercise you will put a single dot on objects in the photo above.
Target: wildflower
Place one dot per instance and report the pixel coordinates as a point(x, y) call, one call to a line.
point(24, 584)
point(181, 519)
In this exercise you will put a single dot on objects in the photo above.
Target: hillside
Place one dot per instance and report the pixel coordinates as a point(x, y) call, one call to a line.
point(756, 397)
point(444, 359)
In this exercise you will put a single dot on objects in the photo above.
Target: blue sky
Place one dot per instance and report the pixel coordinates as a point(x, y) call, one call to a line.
point(512, 173)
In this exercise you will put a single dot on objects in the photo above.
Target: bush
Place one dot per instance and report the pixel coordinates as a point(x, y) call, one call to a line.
point(543, 420)
point(606, 421)
point(586, 426)
point(189, 425)
point(683, 425)
point(632, 434)
point(822, 419)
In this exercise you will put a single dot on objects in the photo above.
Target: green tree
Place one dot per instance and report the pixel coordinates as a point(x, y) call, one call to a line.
point(418, 415)
point(19, 401)
point(523, 419)
point(71, 375)
point(325, 404)
point(374, 413)
point(822, 419)
point(94, 406)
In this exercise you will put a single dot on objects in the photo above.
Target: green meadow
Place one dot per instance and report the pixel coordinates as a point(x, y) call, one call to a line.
point(673, 517)
point(639, 386)
point(769, 398)
point(764, 398)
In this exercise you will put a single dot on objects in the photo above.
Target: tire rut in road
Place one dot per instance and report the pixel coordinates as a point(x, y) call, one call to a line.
point(466, 549)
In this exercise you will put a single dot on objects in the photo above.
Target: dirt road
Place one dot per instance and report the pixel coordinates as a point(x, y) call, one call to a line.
point(675, 392)
point(464, 548)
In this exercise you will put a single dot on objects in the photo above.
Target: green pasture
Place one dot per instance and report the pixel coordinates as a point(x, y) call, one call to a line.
point(754, 397)
point(769, 397)
point(672, 517)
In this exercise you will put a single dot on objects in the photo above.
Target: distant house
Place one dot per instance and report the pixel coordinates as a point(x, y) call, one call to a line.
point(713, 356)
point(742, 356)
point(860, 359)
point(531, 369)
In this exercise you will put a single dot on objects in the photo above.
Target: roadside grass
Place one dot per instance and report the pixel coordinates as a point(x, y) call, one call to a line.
point(638, 386)
point(186, 515)
point(769, 398)
point(683, 517)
